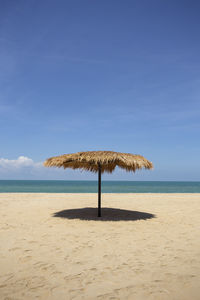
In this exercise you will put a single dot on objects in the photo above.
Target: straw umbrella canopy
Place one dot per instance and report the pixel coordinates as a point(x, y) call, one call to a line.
point(101, 162)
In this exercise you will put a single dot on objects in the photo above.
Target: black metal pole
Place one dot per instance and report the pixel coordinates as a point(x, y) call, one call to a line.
point(99, 191)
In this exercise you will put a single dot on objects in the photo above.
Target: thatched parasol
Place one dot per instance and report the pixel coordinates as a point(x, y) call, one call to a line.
point(99, 161)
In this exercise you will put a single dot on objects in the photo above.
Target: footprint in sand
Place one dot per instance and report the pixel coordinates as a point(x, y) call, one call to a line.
point(14, 249)
point(25, 259)
point(44, 266)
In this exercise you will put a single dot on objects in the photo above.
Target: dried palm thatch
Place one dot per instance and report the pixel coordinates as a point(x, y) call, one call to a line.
point(107, 160)
point(99, 161)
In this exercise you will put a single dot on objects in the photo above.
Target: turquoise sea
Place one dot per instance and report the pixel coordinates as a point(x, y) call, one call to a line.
point(61, 186)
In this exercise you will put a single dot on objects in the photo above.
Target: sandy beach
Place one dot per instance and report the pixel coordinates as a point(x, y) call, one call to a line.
point(146, 246)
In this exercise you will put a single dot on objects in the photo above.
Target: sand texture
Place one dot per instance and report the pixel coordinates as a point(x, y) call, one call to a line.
point(146, 246)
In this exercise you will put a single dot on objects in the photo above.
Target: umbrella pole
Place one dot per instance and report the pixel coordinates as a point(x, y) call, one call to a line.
point(99, 191)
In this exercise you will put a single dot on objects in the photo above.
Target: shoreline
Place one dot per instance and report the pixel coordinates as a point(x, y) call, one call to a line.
point(96, 193)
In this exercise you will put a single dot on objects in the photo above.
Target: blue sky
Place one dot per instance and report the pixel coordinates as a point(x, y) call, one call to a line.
point(100, 75)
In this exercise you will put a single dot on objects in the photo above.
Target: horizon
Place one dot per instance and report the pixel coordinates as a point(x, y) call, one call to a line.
point(79, 76)
point(116, 180)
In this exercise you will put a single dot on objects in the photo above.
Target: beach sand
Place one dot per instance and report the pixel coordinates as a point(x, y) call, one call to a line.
point(52, 246)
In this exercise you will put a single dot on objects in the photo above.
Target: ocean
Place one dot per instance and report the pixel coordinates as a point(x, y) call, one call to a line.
point(61, 186)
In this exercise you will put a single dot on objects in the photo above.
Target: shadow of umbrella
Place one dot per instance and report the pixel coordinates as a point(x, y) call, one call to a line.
point(109, 214)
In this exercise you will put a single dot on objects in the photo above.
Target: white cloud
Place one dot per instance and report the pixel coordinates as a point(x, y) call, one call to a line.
point(26, 168)
point(19, 163)
point(21, 168)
